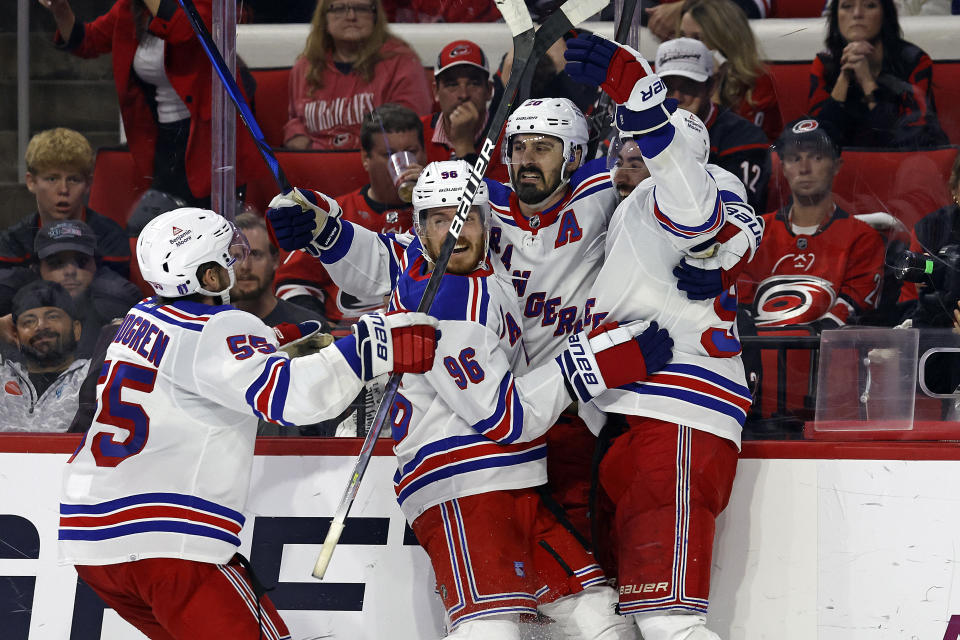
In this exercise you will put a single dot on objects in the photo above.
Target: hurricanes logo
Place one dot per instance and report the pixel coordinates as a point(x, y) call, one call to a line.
point(462, 50)
point(784, 300)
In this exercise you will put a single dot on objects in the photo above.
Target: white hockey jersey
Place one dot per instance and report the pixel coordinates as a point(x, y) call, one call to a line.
point(551, 258)
point(470, 425)
point(678, 210)
point(164, 469)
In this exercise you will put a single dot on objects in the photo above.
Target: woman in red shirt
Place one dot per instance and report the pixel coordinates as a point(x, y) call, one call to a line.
point(351, 64)
point(164, 85)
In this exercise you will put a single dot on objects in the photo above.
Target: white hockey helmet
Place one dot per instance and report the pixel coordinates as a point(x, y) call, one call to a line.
point(694, 132)
point(440, 185)
point(174, 244)
point(557, 117)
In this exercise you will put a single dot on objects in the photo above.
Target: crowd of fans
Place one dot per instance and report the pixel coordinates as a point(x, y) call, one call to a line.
point(65, 269)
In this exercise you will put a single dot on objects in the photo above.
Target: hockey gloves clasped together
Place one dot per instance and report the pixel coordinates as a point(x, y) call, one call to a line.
point(625, 76)
point(304, 219)
point(613, 355)
point(706, 275)
point(401, 342)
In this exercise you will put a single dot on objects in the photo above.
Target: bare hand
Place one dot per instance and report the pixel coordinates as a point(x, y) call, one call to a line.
point(858, 60)
point(298, 142)
point(956, 318)
point(506, 66)
point(464, 124)
point(663, 20)
point(8, 332)
point(410, 174)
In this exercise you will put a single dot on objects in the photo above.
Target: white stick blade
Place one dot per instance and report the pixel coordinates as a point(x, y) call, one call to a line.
point(578, 11)
point(329, 544)
point(516, 15)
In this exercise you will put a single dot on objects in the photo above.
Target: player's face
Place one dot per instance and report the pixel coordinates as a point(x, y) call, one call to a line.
point(375, 162)
point(691, 95)
point(630, 170)
point(255, 273)
point(536, 165)
point(73, 270)
point(810, 173)
point(47, 335)
point(470, 244)
point(859, 19)
point(463, 84)
point(60, 193)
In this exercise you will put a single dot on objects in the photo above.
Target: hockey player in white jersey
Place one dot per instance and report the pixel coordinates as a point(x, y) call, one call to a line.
point(671, 472)
point(469, 435)
point(152, 501)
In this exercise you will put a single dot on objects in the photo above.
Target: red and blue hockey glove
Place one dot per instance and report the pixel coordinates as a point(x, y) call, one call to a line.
point(613, 355)
point(302, 339)
point(402, 342)
point(705, 275)
point(304, 219)
point(625, 76)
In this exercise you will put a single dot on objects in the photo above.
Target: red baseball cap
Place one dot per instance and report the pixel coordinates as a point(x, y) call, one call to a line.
point(461, 52)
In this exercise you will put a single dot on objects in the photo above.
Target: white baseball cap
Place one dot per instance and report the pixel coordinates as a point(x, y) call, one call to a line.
point(684, 57)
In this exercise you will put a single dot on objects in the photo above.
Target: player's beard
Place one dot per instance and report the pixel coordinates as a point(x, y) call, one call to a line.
point(51, 353)
point(534, 193)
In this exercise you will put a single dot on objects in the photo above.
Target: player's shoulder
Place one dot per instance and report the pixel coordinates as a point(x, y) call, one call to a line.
point(459, 297)
point(195, 316)
point(498, 192)
point(592, 175)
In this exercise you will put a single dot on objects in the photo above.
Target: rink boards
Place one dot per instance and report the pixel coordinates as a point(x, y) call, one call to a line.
point(827, 541)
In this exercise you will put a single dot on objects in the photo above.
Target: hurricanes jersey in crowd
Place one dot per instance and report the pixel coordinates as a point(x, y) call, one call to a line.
point(703, 386)
point(551, 259)
point(302, 274)
point(186, 382)
point(801, 277)
point(471, 424)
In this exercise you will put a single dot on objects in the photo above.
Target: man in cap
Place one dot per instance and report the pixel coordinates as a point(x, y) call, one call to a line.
point(736, 144)
point(462, 88)
point(817, 263)
point(40, 393)
point(67, 253)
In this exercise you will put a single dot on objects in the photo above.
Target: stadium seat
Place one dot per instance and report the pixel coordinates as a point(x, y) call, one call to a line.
point(946, 94)
point(271, 101)
point(116, 186)
point(791, 83)
point(796, 9)
point(332, 172)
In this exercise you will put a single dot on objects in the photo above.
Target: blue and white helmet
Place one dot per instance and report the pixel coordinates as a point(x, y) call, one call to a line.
point(174, 244)
point(440, 185)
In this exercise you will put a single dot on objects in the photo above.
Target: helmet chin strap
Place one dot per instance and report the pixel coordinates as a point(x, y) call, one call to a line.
point(224, 295)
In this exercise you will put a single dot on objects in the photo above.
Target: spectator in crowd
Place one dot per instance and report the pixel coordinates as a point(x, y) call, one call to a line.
point(663, 20)
point(66, 253)
point(351, 64)
point(462, 89)
point(59, 170)
point(737, 145)
point(253, 291)
point(817, 263)
point(627, 168)
point(40, 393)
point(301, 278)
point(550, 79)
point(441, 11)
point(164, 83)
point(870, 83)
point(742, 82)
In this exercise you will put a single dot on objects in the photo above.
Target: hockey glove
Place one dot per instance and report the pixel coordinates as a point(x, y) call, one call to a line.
point(613, 355)
point(302, 339)
point(304, 219)
point(625, 76)
point(401, 342)
point(707, 274)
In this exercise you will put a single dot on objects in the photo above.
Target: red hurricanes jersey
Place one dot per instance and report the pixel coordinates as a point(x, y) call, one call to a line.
point(796, 279)
point(301, 274)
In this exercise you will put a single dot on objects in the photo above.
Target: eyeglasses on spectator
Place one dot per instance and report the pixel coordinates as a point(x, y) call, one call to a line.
point(342, 8)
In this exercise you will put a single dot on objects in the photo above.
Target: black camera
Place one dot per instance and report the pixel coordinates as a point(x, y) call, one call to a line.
point(941, 275)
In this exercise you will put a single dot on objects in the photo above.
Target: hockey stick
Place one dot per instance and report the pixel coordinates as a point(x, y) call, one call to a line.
point(233, 91)
point(528, 47)
point(600, 119)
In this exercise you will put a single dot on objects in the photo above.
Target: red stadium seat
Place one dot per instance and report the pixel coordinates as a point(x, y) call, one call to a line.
point(796, 9)
point(271, 101)
point(332, 172)
point(791, 83)
point(946, 94)
point(116, 186)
